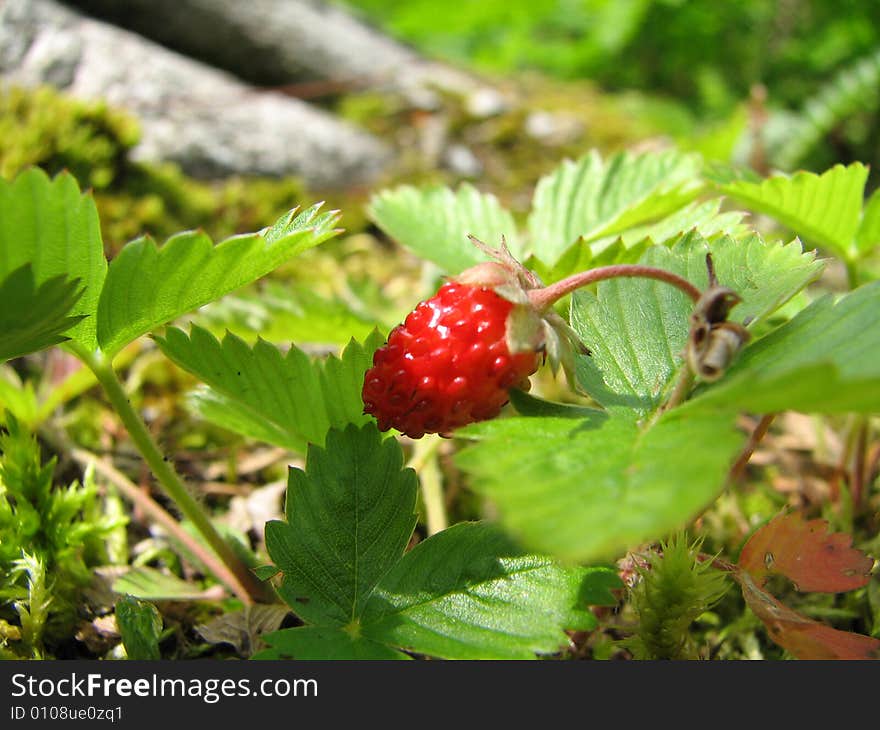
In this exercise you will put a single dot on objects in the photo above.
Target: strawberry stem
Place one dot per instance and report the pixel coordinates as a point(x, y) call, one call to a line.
point(544, 298)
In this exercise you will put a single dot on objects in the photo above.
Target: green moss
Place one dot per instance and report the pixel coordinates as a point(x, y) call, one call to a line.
point(93, 141)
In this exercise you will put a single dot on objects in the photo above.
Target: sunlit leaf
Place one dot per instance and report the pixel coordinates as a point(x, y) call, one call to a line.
point(435, 223)
point(52, 226)
point(868, 235)
point(148, 286)
point(593, 198)
point(824, 209)
point(285, 399)
point(469, 593)
point(590, 489)
point(636, 329)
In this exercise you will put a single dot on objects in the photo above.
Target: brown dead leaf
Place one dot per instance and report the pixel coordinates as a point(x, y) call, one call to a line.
point(803, 637)
point(804, 552)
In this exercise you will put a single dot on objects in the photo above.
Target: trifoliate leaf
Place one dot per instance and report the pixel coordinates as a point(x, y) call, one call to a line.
point(308, 643)
point(435, 223)
point(466, 592)
point(469, 593)
point(52, 226)
point(826, 359)
point(593, 198)
point(148, 286)
point(140, 626)
point(824, 209)
point(349, 518)
point(587, 490)
point(35, 317)
point(258, 391)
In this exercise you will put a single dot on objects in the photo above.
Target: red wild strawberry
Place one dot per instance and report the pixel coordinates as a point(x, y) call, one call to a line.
point(448, 364)
point(457, 354)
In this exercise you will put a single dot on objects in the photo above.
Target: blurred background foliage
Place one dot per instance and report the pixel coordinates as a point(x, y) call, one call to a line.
point(701, 57)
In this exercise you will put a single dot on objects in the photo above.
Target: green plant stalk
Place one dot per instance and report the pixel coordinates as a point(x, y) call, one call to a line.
point(162, 517)
point(251, 589)
point(424, 461)
point(545, 297)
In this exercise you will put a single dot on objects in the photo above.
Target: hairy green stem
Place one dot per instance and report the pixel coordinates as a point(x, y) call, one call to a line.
point(168, 477)
point(545, 297)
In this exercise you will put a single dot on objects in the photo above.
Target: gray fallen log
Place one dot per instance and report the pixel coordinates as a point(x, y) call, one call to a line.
point(276, 42)
point(205, 120)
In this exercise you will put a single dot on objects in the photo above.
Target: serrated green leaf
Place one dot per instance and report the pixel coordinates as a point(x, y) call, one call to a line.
point(826, 359)
point(350, 515)
point(52, 226)
point(636, 329)
point(868, 235)
point(824, 209)
point(148, 286)
point(35, 317)
point(434, 223)
point(702, 217)
point(139, 626)
point(469, 593)
point(308, 643)
point(592, 198)
point(590, 490)
point(259, 392)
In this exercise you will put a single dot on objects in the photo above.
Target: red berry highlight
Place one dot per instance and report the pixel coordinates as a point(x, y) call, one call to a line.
point(447, 365)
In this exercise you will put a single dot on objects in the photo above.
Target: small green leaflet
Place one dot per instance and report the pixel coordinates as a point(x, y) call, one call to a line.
point(140, 626)
point(636, 329)
point(148, 286)
point(825, 209)
point(35, 317)
point(258, 391)
point(589, 489)
point(349, 517)
point(52, 226)
point(435, 223)
point(593, 198)
point(825, 360)
point(464, 593)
